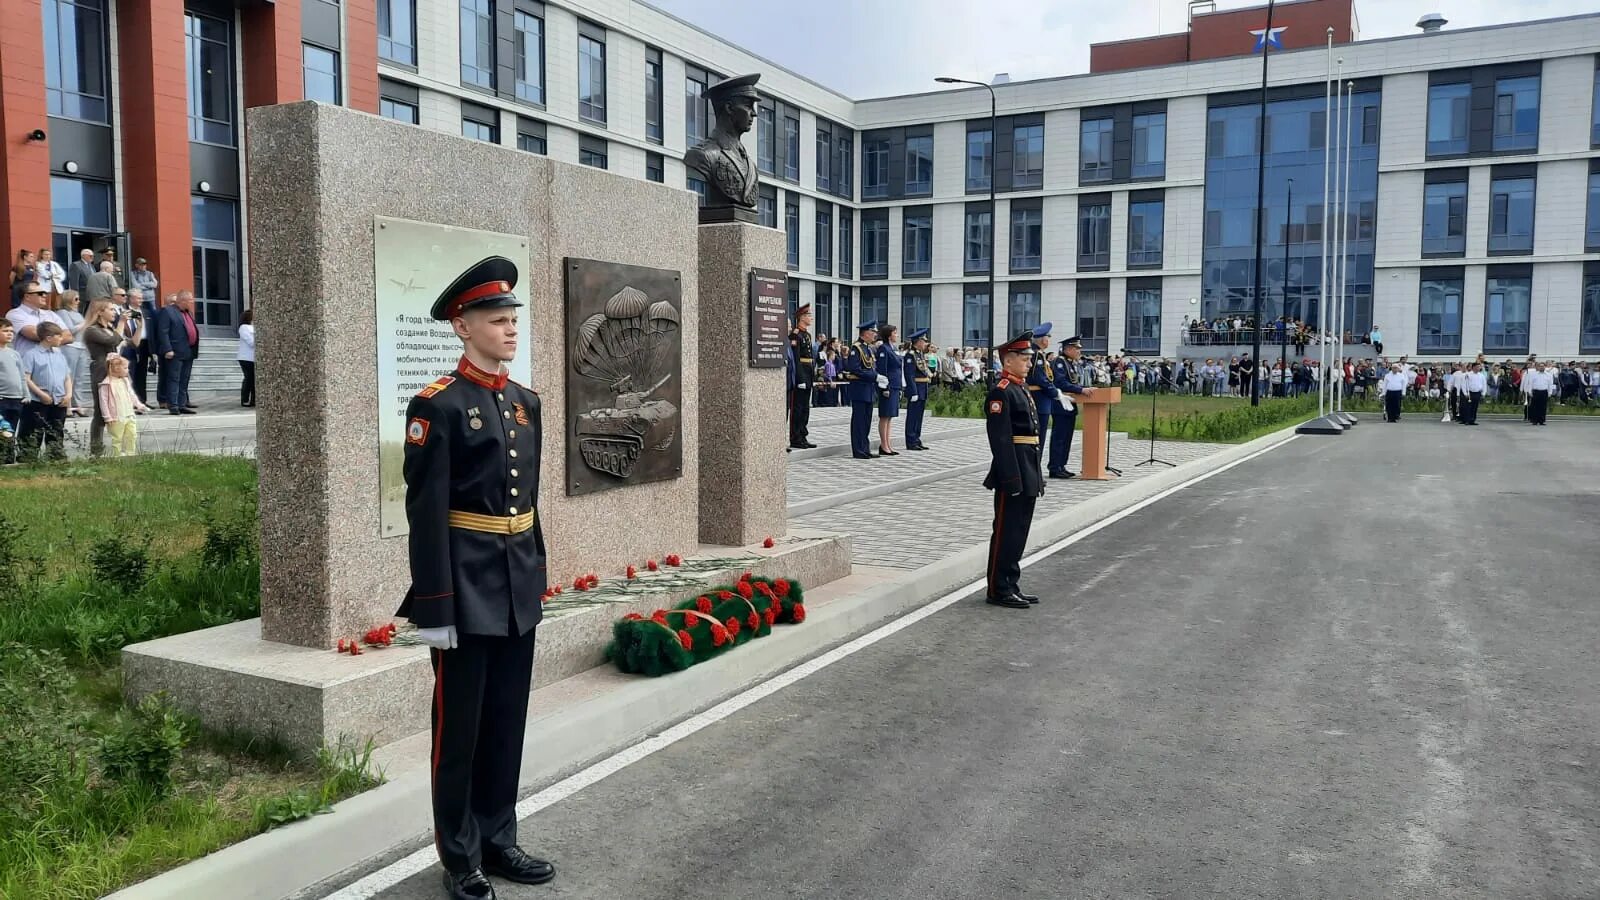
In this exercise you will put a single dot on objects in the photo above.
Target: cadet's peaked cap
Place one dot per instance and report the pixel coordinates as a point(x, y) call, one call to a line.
point(871, 325)
point(802, 310)
point(1074, 341)
point(486, 284)
point(737, 86)
point(1022, 343)
point(917, 335)
point(1042, 330)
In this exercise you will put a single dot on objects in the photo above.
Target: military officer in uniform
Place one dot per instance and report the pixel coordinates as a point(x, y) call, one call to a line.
point(1067, 372)
point(1040, 382)
point(862, 382)
point(472, 447)
point(1014, 475)
point(918, 380)
point(804, 351)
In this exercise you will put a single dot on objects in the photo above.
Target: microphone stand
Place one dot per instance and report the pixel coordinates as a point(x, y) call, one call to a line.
point(1153, 460)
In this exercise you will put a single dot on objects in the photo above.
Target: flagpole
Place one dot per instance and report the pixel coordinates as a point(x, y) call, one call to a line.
point(1344, 255)
point(1261, 208)
point(1327, 172)
point(1337, 146)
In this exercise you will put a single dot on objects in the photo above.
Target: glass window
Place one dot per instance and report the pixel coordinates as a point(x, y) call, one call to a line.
point(1439, 316)
point(1150, 145)
point(824, 239)
point(1516, 113)
point(847, 239)
point(1027, 238)
point(1591, 232)
point(1449, 106)
point(213, 219)
point(874, 247)
point(535, 143)
point(653, 96)
point(80, 204)
point(824, 156)
point(655, 169)
point(75, 59)
point(1589, 328)
point(791, 230)
point(209, 58)
point(918, 249)
point(1505, 314)
point(1027, 157)
point(919, 165)
point(980, 159)
point(1094, 236)
point(767, 207)
point(875, 305)
point(477, 43)
point(1511, 215)
point(697, 185)
point(976, 324)
point(916, 312)
point(591, 79)
point(321, 73)
point(1594, 115)
point(874, 169)
point(397, 32)
point(1146, 223)
point(791, 143)
point(1023, 311)
point(794, 297)
point(696, 122)
point(844, 163)
point(766, 136)
point(822, 308)
point(214, 224)
point(847, 318)
point(593, 152)
point(1444, 219)
point(399, 110)
point(530, 57)
point(479, 130)
point(1144, 318)
point(1094, 150)
point(1094, 314)
point(980, 227)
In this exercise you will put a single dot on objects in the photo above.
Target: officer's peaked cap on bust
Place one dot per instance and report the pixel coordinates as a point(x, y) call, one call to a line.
point(737, 86)
point(486, 284)
point(1022, 343)
point(1042, 330)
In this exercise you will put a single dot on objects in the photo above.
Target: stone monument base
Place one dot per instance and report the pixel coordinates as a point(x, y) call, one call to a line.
point(229, 677)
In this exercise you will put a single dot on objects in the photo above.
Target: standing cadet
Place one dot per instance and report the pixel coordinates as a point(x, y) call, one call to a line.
point(1069, 377)
point(918, 380)
point(804, 351)
point(1475, 384)
point(891, 368)
point(1394, 390)
point(1536, 383)
point(473, 441)
point(861, 384)
point(1041, 383)
point(1014, 475)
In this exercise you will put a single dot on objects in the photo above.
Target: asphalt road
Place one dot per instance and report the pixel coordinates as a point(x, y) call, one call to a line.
point(1356, 667)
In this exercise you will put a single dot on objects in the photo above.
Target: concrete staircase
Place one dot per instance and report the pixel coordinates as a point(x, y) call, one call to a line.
point(216, 374)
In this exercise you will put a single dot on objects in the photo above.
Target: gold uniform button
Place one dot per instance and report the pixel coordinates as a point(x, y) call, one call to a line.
point(513, 473)
point(499, 396)
point(506, 414)
point(513, 454)
point(511, 433)
point(513, 510)
point(513, 492)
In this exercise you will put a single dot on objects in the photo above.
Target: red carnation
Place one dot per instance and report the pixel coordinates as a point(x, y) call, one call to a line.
point(341, 645)
point(733, 625)
point(754, 621)
point(745, 577)
point(768, 542)
point(633, 617)
point(355, 649)
point(724, 595)
point(632, 572)
point(650, 564)
point(799, 613)
point(674, 559)
point(772, 615)
point(745, 590)
point(686, 640)
point(703, 604)
point(659, 615)
point(782, 587)
point(719, 634)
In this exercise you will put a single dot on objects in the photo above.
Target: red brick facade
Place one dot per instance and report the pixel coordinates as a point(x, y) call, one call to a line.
point(24, 163)
point(1215, 35)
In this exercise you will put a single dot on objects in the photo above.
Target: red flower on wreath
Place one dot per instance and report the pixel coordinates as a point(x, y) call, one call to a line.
point(754, 621)
point(719, 634)
point(724, 595)
point(703, 604)
point(745, 590)
point(686, 640)
point(799, 613)
point(659, 615)
point(782, 587)
point(772, 615)
point(733, 626)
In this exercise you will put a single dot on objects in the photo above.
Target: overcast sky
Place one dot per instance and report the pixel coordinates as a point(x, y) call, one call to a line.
point(874, 48)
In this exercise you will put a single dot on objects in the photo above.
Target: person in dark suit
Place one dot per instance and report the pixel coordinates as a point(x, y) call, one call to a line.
point(473, 441)
point(78, 273)
point(1041, 382)
point(1066, 371)
point(862, 380)
point(918, 380)
point(177, 344)
point(1012, 423)
point(804, 352)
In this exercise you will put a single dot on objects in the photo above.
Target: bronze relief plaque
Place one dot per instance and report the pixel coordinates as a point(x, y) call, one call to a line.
point(624, 375)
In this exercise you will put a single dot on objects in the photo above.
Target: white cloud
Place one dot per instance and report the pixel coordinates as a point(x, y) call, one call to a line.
point(873, 48)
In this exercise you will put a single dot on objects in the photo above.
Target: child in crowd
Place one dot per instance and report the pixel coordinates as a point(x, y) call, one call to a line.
point(119, 406)
point(13, 391)
point(50, 383)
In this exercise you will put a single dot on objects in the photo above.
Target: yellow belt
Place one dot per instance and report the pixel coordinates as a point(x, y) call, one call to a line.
point(921, 380)
point(1035, 387)
point(807, 359)
point(491, 524)
point(1025, 439)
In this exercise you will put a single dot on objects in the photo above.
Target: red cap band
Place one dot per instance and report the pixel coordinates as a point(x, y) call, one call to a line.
point(477, 293)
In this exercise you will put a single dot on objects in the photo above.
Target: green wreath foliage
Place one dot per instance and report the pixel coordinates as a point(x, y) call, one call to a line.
point(704, 626)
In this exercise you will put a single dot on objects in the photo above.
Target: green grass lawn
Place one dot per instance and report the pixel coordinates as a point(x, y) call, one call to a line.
point(93, 556)
point(1178, 417)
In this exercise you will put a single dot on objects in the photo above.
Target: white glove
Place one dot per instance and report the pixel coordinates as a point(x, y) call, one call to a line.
point(801, 387)
point(913, 399)
point(883, 381)
point(438, 638)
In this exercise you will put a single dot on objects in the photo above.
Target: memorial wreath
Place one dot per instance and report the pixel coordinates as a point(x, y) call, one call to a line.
point(671, 640)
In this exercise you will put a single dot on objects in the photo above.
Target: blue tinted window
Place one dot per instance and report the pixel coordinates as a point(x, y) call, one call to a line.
point(919, 165)
point(321, 74)
point(1516, 113)
point(976, 324)
point(1094, 151)
point(979, 228)
point(399, 110)
point(1591, 233)
point(397, 35)
point(1027, 238)
point(1146, 225)
point(591, 79)
point(1144, 318)
point(918, 250)
point(80, 204)
point(529, 62)
point(477, 43)
point(791, 229)
point(1511, 215)
point(916, 312)
point(1589, 328)
point(824, 240)
point(1444, 219)
point(1027, 157)
point(1439, 316)
point(1150, 146)
point(874, 169)
point(1023, 312)
point(874, 247)
point(980, 160)
point(1505, 314)
point(213, 219)
point(75, 59)
point(1448, 109)
point(1094, 235)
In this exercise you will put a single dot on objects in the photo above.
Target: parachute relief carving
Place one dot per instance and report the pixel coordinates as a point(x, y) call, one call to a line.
point(625, 373)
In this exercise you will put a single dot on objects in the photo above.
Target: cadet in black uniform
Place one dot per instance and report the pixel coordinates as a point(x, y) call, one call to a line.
point(1014, 475)
point(473, 441)
point(918, 379)
point(804, 351)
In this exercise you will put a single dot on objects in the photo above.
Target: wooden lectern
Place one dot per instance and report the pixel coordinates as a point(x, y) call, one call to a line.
point(1094, 415)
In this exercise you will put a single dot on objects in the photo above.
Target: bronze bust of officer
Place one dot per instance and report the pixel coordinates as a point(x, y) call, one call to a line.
point(721, 159)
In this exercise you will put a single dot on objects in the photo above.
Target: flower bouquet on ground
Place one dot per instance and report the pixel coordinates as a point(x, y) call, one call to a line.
point(671, 640)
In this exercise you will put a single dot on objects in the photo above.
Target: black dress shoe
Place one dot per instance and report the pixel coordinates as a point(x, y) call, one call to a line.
point(809, 446)
point(1028, 597)
point(863, 456)
point(188, 411)
point(883, 452)
point(1060, 473)
point(515, 865)
point(174, 410)
point(468, 886)
point(917, 447)
point(1009, 601)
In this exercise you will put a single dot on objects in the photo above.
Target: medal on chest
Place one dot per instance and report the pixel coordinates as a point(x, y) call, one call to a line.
point(473, 420)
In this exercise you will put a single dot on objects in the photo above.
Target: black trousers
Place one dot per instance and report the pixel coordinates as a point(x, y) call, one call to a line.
point(800, 416)
point(1391, 405)
point(1062, 425)
point(916, 411)
point(247, 388)
point(1013, 516)
point(1473, 401)
point(861, 416)
point(1538, 406)
point(144, 362)
point(1455, 404)
point(480, 708)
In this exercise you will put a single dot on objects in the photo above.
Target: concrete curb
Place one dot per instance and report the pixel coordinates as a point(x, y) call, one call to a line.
point(159, 420)
point(389, 821)
point(844, 449)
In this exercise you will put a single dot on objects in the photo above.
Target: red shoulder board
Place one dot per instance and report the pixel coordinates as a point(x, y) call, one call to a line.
point(1004, 382)
point(443, 382)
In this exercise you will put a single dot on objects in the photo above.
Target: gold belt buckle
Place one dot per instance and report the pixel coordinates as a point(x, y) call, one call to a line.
point(492, 524)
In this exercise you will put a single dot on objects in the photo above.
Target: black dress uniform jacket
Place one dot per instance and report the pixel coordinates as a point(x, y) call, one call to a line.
point(473, 443)
point(1010, 414)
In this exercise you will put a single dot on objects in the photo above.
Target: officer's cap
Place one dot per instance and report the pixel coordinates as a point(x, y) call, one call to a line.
point(1074, 341)
point(1042, 330)
point(869, 325)
point(1022, 343)
point(486, 284)
point(802, 310)
point(917, 335)
point(737, 86)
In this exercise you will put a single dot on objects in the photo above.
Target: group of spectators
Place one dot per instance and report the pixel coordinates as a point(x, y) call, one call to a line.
point(82, 342)
point(1576, 383)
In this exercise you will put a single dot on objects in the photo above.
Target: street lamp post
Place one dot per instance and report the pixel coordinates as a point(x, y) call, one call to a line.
point(1261, 203)
point(994, 302)
point(1283, 313)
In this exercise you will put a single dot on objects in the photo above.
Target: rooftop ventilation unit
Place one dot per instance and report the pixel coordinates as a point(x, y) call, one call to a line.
point(1432, 23)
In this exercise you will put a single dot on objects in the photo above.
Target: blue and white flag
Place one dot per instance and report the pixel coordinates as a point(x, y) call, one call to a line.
point(1268, 37)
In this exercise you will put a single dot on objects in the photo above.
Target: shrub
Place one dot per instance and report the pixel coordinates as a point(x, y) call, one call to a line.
point(116, 562)
point(231, 540)
point(142, 748)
